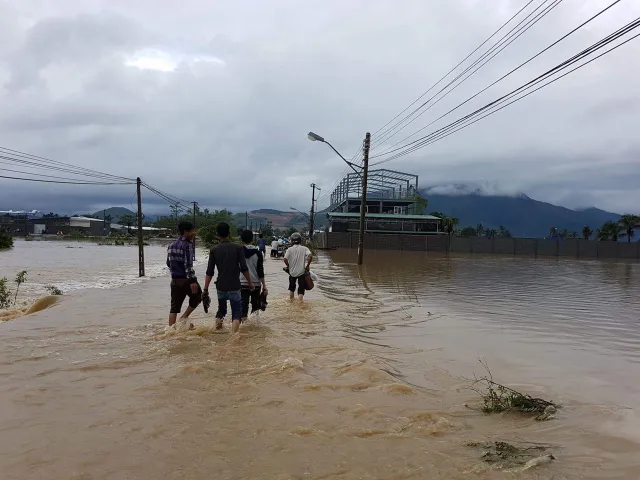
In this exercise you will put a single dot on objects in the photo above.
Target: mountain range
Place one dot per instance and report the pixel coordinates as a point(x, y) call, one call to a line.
point(521, 215)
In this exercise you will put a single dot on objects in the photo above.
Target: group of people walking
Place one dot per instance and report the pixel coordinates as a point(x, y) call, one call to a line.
point(240, 268)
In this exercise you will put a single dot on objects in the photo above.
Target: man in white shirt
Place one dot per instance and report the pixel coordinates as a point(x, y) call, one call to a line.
point(274, 248)
point(297, 259)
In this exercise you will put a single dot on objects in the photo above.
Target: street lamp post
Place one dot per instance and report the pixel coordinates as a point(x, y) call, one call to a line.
point(363, 173)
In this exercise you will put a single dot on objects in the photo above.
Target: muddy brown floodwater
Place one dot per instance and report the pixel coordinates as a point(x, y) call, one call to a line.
point(365, 380)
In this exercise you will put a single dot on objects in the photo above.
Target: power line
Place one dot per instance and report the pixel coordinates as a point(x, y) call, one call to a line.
point(485, 58)
point(51, 176)
point(391, 149)
point(452, 70)
point(31, 164)
point(56, 181)
point(458, 124)
point(62, 164)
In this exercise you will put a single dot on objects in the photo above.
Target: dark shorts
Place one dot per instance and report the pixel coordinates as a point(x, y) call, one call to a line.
point(236, 304)
point(301, 284)
point(181, 289)
point(250, 297)
point(263, 251)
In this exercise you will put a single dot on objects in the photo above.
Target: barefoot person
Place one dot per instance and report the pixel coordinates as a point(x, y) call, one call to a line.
point(255, 263)
point(228, 258)
point(180, 255)
point(297, 259)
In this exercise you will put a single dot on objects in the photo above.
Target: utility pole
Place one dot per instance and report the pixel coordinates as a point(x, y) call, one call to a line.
point(195, 206)
point(312, 213)
point(140, 237)
point(104, 222)
point(246, 220)
point(363, 203)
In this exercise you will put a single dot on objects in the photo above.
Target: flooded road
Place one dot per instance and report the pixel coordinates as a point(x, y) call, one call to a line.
point(368, 379)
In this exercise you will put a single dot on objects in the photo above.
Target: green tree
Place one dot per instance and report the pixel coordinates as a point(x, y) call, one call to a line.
point(628, 223)
point(20, 279)
point(587, 232)
point(468, 232)
point(491, 232)
point(449, 224)
point(437, 214)
point(6, 240)
point(503, 232)
point(128, 220)
point(610, 231)
point(480, 230)
point(420, 203)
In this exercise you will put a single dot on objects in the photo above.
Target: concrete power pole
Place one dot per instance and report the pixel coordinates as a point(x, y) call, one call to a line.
point(140, 237)
point(312, 213)
point(195, 206)
point(363, 203)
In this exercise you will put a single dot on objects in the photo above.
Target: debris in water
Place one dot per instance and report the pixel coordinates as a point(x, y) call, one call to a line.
point(534, 462)
point(503, 455)
point(499, 398)
point(114, 334)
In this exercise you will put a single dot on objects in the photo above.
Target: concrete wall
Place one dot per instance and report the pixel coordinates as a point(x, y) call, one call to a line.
point(570, 248)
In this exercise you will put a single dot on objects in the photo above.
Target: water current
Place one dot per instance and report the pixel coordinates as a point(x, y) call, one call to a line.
point(367, 379)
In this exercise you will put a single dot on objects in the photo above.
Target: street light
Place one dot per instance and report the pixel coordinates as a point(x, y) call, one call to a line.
point(364, 170)
point(314, 137)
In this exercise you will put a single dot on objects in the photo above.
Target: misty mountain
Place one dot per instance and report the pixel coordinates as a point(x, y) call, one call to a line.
point(522, 215)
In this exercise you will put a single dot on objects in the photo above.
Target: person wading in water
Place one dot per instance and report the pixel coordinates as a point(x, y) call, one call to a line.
point(228, 258)
point(262, 245)
point(180, 255)
point(297, 259)
point(255, 263)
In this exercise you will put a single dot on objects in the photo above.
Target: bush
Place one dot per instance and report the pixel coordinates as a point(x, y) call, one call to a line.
point(53, 290)
point(6, 240)
point(5, 294)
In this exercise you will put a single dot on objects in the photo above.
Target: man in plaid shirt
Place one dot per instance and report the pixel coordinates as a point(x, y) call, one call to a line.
point(180, 256)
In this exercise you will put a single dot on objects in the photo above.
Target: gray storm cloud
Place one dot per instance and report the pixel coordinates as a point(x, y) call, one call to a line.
point(213, 102)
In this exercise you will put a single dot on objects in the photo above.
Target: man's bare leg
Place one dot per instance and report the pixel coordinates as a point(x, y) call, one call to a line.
point(301, 297)
point(235, 326)
point(186, 314)
point(172, 319)
point(291, 295)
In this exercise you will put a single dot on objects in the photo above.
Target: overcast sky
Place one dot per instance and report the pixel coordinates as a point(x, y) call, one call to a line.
point(212, 101)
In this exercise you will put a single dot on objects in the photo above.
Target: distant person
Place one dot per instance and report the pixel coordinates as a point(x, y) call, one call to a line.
point(229, 259)
point(274, 247)
point(297, 259)
point(255, 263)
point(184, 283)
point(262, 245)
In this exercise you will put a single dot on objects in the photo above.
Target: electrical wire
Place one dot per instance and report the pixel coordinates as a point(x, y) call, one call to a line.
point(53, 164)
point(460, 124)
point(383, 132)
point(57, 181)
point(55, 176)
point(485, 58)
point(392, 148)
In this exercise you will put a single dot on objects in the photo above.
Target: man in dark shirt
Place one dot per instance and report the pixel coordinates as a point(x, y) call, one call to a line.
point(262, 245)
point(229, 259)
point(184, 283)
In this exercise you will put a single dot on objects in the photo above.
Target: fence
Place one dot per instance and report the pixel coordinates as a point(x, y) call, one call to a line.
point(574, 247)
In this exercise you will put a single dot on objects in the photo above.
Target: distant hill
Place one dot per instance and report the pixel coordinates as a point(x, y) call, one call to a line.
point(523, 216)
point(115, 212)
point(278, 218)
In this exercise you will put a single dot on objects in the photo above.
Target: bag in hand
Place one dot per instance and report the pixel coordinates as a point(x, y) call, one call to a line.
point(308, 281)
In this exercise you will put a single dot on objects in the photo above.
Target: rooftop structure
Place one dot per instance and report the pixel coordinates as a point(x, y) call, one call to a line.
point(382, 184)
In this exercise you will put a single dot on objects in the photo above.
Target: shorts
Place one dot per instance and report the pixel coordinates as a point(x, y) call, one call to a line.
point(181, 289)
point(236, 304)
point(250, 297)
point(263, 251)
point(301, 284)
